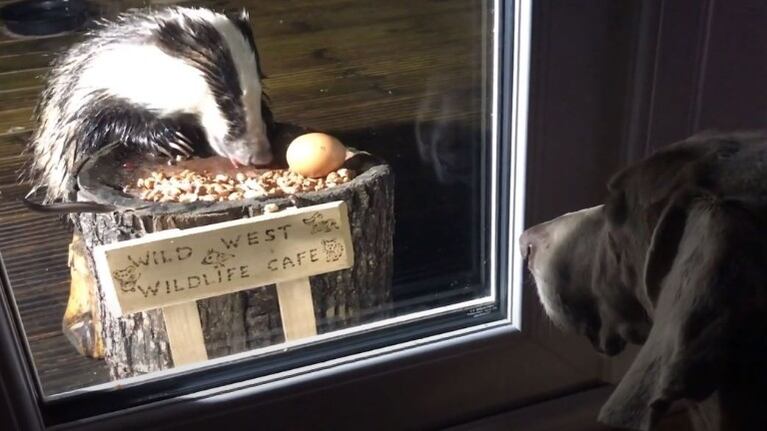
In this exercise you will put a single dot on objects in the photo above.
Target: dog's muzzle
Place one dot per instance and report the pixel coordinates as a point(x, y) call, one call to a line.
point(537, 243)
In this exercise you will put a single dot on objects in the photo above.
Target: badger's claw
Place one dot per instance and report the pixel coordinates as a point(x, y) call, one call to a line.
point(181, 148)
point(183, 141)
point(164, 151)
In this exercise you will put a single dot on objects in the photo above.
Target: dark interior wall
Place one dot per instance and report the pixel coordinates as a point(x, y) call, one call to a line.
point(709, 68)
point(734, 66)
point(613, 81)
point(583, 55)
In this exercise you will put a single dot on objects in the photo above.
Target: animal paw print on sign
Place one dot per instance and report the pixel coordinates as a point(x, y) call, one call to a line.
point(334, 250)
point(127, 278)
point(216, 258)
point(319, 224)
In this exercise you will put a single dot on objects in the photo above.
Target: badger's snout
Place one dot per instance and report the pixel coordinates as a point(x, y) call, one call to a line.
point(249, 152)
point(262, 156)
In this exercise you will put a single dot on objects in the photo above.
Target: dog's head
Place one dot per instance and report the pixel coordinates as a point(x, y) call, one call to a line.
point(674, 259)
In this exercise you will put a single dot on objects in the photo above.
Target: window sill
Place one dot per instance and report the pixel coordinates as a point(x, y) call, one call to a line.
point(283, 398)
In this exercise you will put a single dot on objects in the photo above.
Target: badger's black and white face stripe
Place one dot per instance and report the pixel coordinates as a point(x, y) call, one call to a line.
point(223, 50)
point(161, 80)
point(198, 61)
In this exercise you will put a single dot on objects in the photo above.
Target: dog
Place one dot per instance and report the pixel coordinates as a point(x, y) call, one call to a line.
point(674, 260)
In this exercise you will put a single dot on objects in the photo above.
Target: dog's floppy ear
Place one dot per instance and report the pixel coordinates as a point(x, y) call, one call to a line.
point(665, 242)
point(690, 273)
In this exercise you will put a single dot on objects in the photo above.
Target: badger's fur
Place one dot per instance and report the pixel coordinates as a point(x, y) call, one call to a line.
point(171, 81)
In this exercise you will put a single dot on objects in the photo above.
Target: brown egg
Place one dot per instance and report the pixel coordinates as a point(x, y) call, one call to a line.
point(315, 155)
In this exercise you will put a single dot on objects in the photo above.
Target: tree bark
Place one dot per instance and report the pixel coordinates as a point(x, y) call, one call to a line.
point(232, 323)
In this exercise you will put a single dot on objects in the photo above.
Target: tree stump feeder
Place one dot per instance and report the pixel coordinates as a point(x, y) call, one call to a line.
point(140, 342)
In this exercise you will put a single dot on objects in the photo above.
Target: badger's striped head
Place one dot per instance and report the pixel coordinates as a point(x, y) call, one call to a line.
point(224, 51)
point(187, 63)
point(165, 80)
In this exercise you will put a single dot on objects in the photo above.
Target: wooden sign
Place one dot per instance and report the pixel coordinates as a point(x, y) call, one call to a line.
point(174, 268)
point(185, 265)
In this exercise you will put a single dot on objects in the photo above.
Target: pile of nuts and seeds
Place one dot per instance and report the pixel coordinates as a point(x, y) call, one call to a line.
point(188, 186)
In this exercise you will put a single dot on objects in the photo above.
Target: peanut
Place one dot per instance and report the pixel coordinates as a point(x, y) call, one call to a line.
point(188, 186)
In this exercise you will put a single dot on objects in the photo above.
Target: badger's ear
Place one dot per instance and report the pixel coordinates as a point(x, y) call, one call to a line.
point(693, 268)
point(239, 16)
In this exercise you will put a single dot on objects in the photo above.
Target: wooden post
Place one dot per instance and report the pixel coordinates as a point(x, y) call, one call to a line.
point(182, 323)
point(296, 309)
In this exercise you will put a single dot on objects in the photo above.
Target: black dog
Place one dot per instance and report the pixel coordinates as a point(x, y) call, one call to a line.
point(676, 260)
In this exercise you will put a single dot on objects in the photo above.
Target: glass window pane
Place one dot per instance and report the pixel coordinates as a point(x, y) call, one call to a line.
point(405, 85)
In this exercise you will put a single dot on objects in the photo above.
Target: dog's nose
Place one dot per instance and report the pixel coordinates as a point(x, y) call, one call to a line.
point(530, 240)
point(524, 245)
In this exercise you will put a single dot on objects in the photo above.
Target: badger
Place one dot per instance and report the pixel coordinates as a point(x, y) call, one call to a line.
point(175, 82)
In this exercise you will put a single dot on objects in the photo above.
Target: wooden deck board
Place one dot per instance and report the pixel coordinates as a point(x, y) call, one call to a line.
point(348, 65)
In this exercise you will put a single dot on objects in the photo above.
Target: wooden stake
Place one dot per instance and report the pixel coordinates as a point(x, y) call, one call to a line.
point(296, 309)
point(182, 323)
